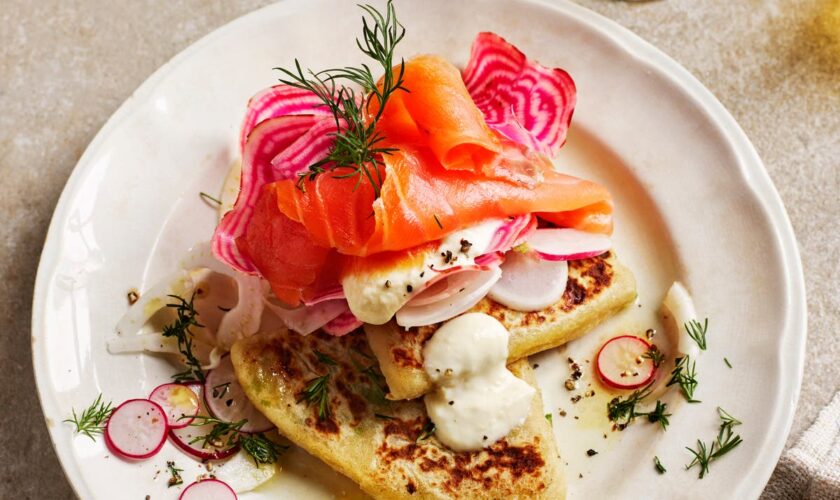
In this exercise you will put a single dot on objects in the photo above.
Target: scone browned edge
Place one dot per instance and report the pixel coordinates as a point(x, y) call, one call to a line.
point(379, 443)
point(597, 288)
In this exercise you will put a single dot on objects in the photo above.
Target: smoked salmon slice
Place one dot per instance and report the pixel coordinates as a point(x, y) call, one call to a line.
point(464, 153)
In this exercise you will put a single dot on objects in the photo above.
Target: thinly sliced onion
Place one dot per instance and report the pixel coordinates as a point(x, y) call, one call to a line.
point(529, 283)
point(464, 299)
point(342, 324)
point(243, 320)
point(678, 302)
point(242, 474)
point(521, 99)
point(567, 244)
point(152, 300)
point(307, 319)
point(225, 399)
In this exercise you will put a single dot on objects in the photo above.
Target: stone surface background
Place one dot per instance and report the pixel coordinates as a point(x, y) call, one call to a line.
point(65, 66)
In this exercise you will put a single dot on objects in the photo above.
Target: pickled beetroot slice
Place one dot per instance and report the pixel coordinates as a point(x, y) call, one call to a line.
point(208, 489)
point(177, 401)
point(621, 362)
point(136, 429)
point(182, 437)
point(226, 400)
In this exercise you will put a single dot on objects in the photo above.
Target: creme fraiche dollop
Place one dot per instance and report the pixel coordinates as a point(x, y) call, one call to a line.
point(477, 400)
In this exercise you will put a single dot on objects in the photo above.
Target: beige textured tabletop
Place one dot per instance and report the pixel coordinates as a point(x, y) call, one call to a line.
point(66, 66)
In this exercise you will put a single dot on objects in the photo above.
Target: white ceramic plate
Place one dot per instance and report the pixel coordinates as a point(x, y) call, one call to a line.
point(693, 203)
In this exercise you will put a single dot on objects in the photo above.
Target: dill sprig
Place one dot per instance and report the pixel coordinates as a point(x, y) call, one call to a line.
point(175, 474)
point(261, 449)
point(426, 432)
point(226, 435)
point(180, 329)
point(357, 145)
point(654, 354)
point(316, 393)
point(623, 411)
point(210, 199)
point(658, 415)
point(685, 375)
point(727, 362)
point(698, 332)
point(323, 358)
point(725, 442)
point(658, 465)
point(92, 420)
point(222, 434)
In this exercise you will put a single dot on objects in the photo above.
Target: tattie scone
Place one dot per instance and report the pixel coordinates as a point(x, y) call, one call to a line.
point(597, 288)
point(388, 447)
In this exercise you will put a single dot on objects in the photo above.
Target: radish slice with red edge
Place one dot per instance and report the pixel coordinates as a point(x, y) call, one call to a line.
point(621, 362)
point(183, 437)
point(567, 244)
point(529, 283)
point(465, 297)
point(226, 400)
point(177, 401)
point(136, 429)
point(208, 489)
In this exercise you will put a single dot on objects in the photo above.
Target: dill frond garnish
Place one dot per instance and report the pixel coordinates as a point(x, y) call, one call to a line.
point(210, 199)
point(654, 354)
point(180, 329)
point(698, 332)
point(229, 434)
point(658, 415)
point(685, 375)
point(727, 362)
point(261, 449)
point(725, 442)
point(323, 358)
point(623, 411)
point(426, 432)
point(175, 474)
point(658, 465)
point(92, 420)
point(316, 393)
point(357, 147)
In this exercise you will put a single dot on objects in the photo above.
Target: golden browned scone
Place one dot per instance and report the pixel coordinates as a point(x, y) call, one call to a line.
point(597, 289)
point(385, 446)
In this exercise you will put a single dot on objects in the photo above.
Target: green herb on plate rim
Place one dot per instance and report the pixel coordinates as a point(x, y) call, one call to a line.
point(92, 420)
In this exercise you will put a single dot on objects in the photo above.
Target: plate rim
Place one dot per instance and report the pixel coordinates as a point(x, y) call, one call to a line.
point(794, 332)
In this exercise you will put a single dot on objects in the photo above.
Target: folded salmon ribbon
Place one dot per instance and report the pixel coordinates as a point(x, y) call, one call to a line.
point(469, 147)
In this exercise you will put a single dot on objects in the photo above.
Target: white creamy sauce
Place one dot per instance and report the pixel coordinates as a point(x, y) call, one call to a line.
point(477, 400)
point(376, 296)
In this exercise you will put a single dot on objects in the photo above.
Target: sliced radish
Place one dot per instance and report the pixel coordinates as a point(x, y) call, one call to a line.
point(621, 362)
point(136, 429)
point(529, 283)
point(186, 437)
point(208, 489)
point(567, 244)
point(226, 400)
point(452, 304)
point(177, 401)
